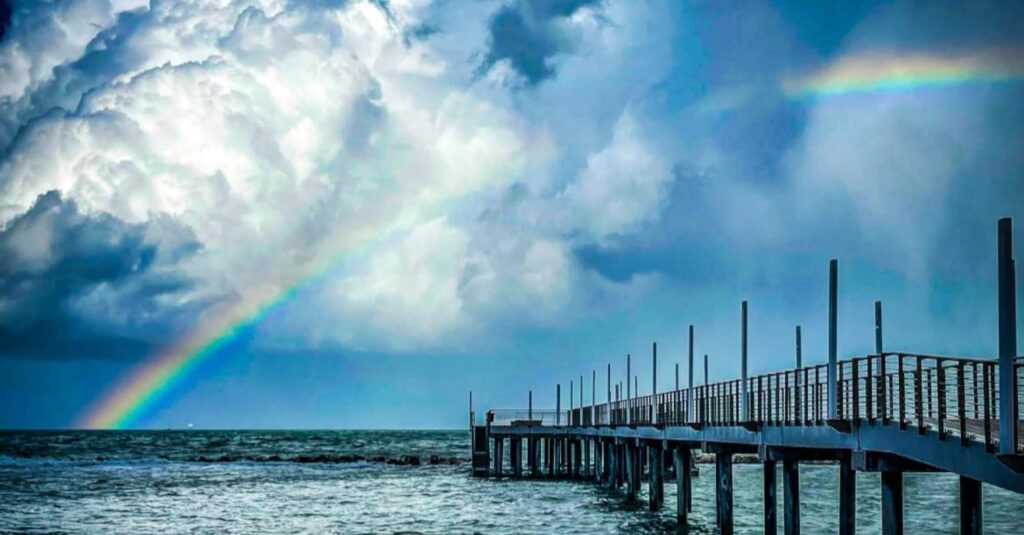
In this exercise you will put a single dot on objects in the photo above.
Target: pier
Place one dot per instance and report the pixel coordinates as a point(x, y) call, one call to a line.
point(890, 412)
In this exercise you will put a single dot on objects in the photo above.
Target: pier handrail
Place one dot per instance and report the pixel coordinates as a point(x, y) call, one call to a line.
point(954, 396)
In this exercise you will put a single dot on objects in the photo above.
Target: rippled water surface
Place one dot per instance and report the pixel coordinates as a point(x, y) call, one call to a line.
point(369, 482)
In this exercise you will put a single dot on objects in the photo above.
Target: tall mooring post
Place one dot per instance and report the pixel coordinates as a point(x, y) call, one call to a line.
point(558, 404)
point(1007, 339)
point(797, 406)
point(629, 406)
point(744, 402)
point(654, 384)
point(689, 394)
point(833, 312)
point(529, 413)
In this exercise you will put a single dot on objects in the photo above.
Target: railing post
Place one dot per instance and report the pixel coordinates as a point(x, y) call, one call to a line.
point(593, 398)
point(855, 388)
point(902, 391)
point(940, 378)
point(744, 412)
point(530, 404)
point(833, 308)
point(961, 402)
point(1007, 340)
point(918, 406)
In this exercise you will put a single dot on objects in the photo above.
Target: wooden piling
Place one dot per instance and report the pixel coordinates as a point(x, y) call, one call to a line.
point(723, 492)
point(791, 496)
point(770, 498)
point(970, 506)
point(892, 502)
point(847, 497)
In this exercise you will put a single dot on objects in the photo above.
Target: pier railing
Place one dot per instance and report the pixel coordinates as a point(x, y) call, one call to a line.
point(954, 396)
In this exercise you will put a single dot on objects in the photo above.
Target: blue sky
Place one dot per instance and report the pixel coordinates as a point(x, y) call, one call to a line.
point(519, 192)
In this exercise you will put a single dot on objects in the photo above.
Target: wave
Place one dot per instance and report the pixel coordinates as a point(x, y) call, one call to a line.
point(322, 458)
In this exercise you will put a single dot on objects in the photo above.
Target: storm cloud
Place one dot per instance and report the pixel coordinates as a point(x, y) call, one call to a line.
point(82, 285)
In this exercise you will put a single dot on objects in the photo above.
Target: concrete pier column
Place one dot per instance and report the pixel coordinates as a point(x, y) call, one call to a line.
point(723, 492)
point(791, 497)
point(499, 456)
point(656, 481)
point(549, 455)
point(892, 503)
point(631, 468)
point(586, 458)
point(770, 499)
point(847, 497)
point(577, 460)
point(515, 451)
point(688, 480)
point(970, 506)
point(681, 474)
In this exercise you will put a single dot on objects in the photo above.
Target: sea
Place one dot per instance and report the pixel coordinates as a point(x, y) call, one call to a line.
point(386, 482)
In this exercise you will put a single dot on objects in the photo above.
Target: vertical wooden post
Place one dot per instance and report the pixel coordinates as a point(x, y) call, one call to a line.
point(770, 500)
point(689, 403)
point(892, 503)
point(530, 405)
point(558, 404)
point(1007, 340)
point(744, 413)
point(654, 383)
point(847, 497)
point(791, 496)
point(970, 506)
point(796, 393)
point(723, 492)
point(681, 473)
point(629, 417)
point(833, 311)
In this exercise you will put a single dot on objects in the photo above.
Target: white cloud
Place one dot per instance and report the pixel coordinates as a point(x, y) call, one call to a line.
point(285, 136)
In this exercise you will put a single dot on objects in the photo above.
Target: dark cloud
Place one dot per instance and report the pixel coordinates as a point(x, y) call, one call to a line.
point(5, 17)
point(78, 285)
point(528, 33)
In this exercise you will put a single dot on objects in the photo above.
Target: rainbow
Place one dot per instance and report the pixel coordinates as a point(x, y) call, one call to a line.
point(135, 395)
point(877, 72)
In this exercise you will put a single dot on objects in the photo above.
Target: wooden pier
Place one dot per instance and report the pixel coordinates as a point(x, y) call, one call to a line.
point(888, 412)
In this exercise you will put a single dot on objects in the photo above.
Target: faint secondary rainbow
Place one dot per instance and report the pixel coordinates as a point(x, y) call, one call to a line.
point(134, 395)
point(875, 72)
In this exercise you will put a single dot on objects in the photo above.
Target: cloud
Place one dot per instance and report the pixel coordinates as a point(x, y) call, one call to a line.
point(526, 35)
point(290, 137)
point(76, 284)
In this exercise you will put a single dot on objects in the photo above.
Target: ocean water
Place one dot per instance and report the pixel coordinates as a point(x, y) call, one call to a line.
point(369, 482)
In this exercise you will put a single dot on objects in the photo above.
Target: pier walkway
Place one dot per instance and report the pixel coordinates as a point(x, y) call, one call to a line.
point(888, 412)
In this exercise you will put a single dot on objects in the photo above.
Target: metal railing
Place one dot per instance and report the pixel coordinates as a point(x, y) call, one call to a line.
point(954, 396)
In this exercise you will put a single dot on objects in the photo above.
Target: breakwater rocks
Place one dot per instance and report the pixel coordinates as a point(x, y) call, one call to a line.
point(331, 458)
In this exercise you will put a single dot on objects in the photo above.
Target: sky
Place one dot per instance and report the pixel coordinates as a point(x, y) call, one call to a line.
point(350, 213)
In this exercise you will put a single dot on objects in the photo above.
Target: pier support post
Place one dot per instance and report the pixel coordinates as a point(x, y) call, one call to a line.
point(970, 506)
point(723, 492)
point(791, 497)
point(577, 459)
point(499, 455)
point(549, 455)
point(770, 498)
point(847, 497)
point(586, 458)
point(515, 451)
point(892, 503)
point(656, 485)
point(682, 474)
point(688, 481)
point(631, 468)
